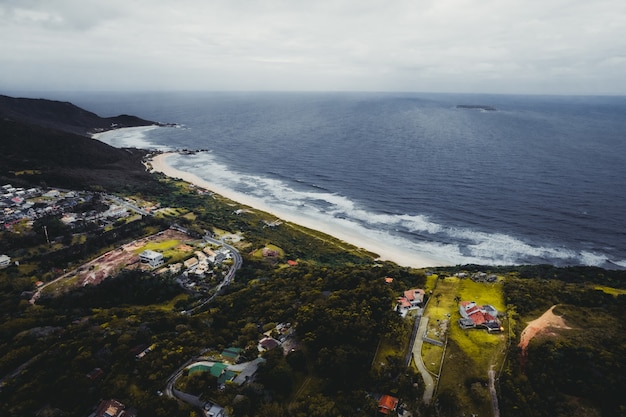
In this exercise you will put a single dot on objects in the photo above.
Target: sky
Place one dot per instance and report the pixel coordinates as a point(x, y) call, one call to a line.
point(465, 46)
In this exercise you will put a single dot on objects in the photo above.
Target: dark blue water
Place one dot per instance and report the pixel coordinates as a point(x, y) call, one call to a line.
point(540, 180)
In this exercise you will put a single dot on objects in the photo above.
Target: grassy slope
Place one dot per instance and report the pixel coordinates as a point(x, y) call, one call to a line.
point(469, 353)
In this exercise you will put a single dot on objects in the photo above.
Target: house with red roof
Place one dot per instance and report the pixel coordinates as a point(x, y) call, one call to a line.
point(473, 315)
point(387, 404)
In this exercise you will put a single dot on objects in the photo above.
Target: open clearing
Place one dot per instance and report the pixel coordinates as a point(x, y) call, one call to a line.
point(112, 262)
point(542, 325)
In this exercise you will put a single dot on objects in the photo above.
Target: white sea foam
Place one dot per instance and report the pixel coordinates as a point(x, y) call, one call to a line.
point(339, 212)
point(129, 137)
point(593, 259)
point(620, 263)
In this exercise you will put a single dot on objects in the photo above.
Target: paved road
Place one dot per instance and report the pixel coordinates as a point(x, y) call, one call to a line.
point(417, 357)
point(128, 205)
point(230, 275)
point(494, 394)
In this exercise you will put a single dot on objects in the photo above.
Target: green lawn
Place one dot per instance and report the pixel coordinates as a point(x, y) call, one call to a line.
point(469, 353)
point(159, 246)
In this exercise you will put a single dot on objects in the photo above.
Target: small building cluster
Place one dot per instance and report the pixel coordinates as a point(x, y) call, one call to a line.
point(478, 276)
point(19, 204)
point(281, 335)
point(475, 316)
point(200, 269)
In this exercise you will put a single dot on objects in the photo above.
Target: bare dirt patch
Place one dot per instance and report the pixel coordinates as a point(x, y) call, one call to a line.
point(543, 325)
point(109, 264)
point(124, 257)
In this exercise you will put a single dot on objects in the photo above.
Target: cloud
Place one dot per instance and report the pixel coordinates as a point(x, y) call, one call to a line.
point(489, 45)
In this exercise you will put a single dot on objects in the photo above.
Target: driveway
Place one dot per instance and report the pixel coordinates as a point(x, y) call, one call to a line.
point(417, 357)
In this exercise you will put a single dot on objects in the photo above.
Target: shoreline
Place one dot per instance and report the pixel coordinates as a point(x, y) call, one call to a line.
point(399, 256)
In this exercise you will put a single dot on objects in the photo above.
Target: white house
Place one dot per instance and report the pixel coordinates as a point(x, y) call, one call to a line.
point(5, 261)
point(152, 258)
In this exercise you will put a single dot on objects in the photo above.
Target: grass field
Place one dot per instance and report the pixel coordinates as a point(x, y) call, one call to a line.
point(259, 252)
point(159, 246)
point(469, 353)
point(610, 290)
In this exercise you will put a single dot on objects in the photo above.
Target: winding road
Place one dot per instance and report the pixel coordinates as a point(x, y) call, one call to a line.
point(429, 384)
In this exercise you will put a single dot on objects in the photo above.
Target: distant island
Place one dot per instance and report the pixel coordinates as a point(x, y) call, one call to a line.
point(476, 107)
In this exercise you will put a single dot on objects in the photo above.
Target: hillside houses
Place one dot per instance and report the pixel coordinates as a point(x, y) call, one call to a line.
point(19, 204)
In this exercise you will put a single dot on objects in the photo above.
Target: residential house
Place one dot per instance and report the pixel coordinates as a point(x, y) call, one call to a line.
point(191, 262)
point(473, 315)
point(411, 299)
point(209, 252)
point(113, 408)
point(218, 370)
point(232, 354)
point(267, 343)
point(387, 404)
point(151, 258)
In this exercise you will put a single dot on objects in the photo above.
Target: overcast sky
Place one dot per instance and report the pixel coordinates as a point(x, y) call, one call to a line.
point(482, 46)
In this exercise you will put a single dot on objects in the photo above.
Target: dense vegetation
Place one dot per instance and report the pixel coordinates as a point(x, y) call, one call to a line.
point(569, 372)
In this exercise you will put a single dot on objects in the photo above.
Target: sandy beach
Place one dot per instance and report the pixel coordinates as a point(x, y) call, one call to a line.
point(398, 255)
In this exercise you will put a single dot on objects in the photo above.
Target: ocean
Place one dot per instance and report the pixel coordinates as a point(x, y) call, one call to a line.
point(540, 179)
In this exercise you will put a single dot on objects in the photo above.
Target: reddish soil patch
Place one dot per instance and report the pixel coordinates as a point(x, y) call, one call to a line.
point(112, 262)
point(184, 248)
point(542, 325)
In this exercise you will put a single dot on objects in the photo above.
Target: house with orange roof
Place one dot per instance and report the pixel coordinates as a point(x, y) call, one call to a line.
point(410, 300)
point(387, 404)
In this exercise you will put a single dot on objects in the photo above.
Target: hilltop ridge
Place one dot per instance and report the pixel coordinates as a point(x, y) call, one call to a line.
point(46, 142)
point(63, 116)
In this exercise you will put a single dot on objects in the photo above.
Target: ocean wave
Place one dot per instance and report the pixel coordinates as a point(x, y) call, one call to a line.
point(421, 234)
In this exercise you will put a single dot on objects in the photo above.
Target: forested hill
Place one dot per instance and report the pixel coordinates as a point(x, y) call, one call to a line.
point(62, 116)
point(45, 142)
